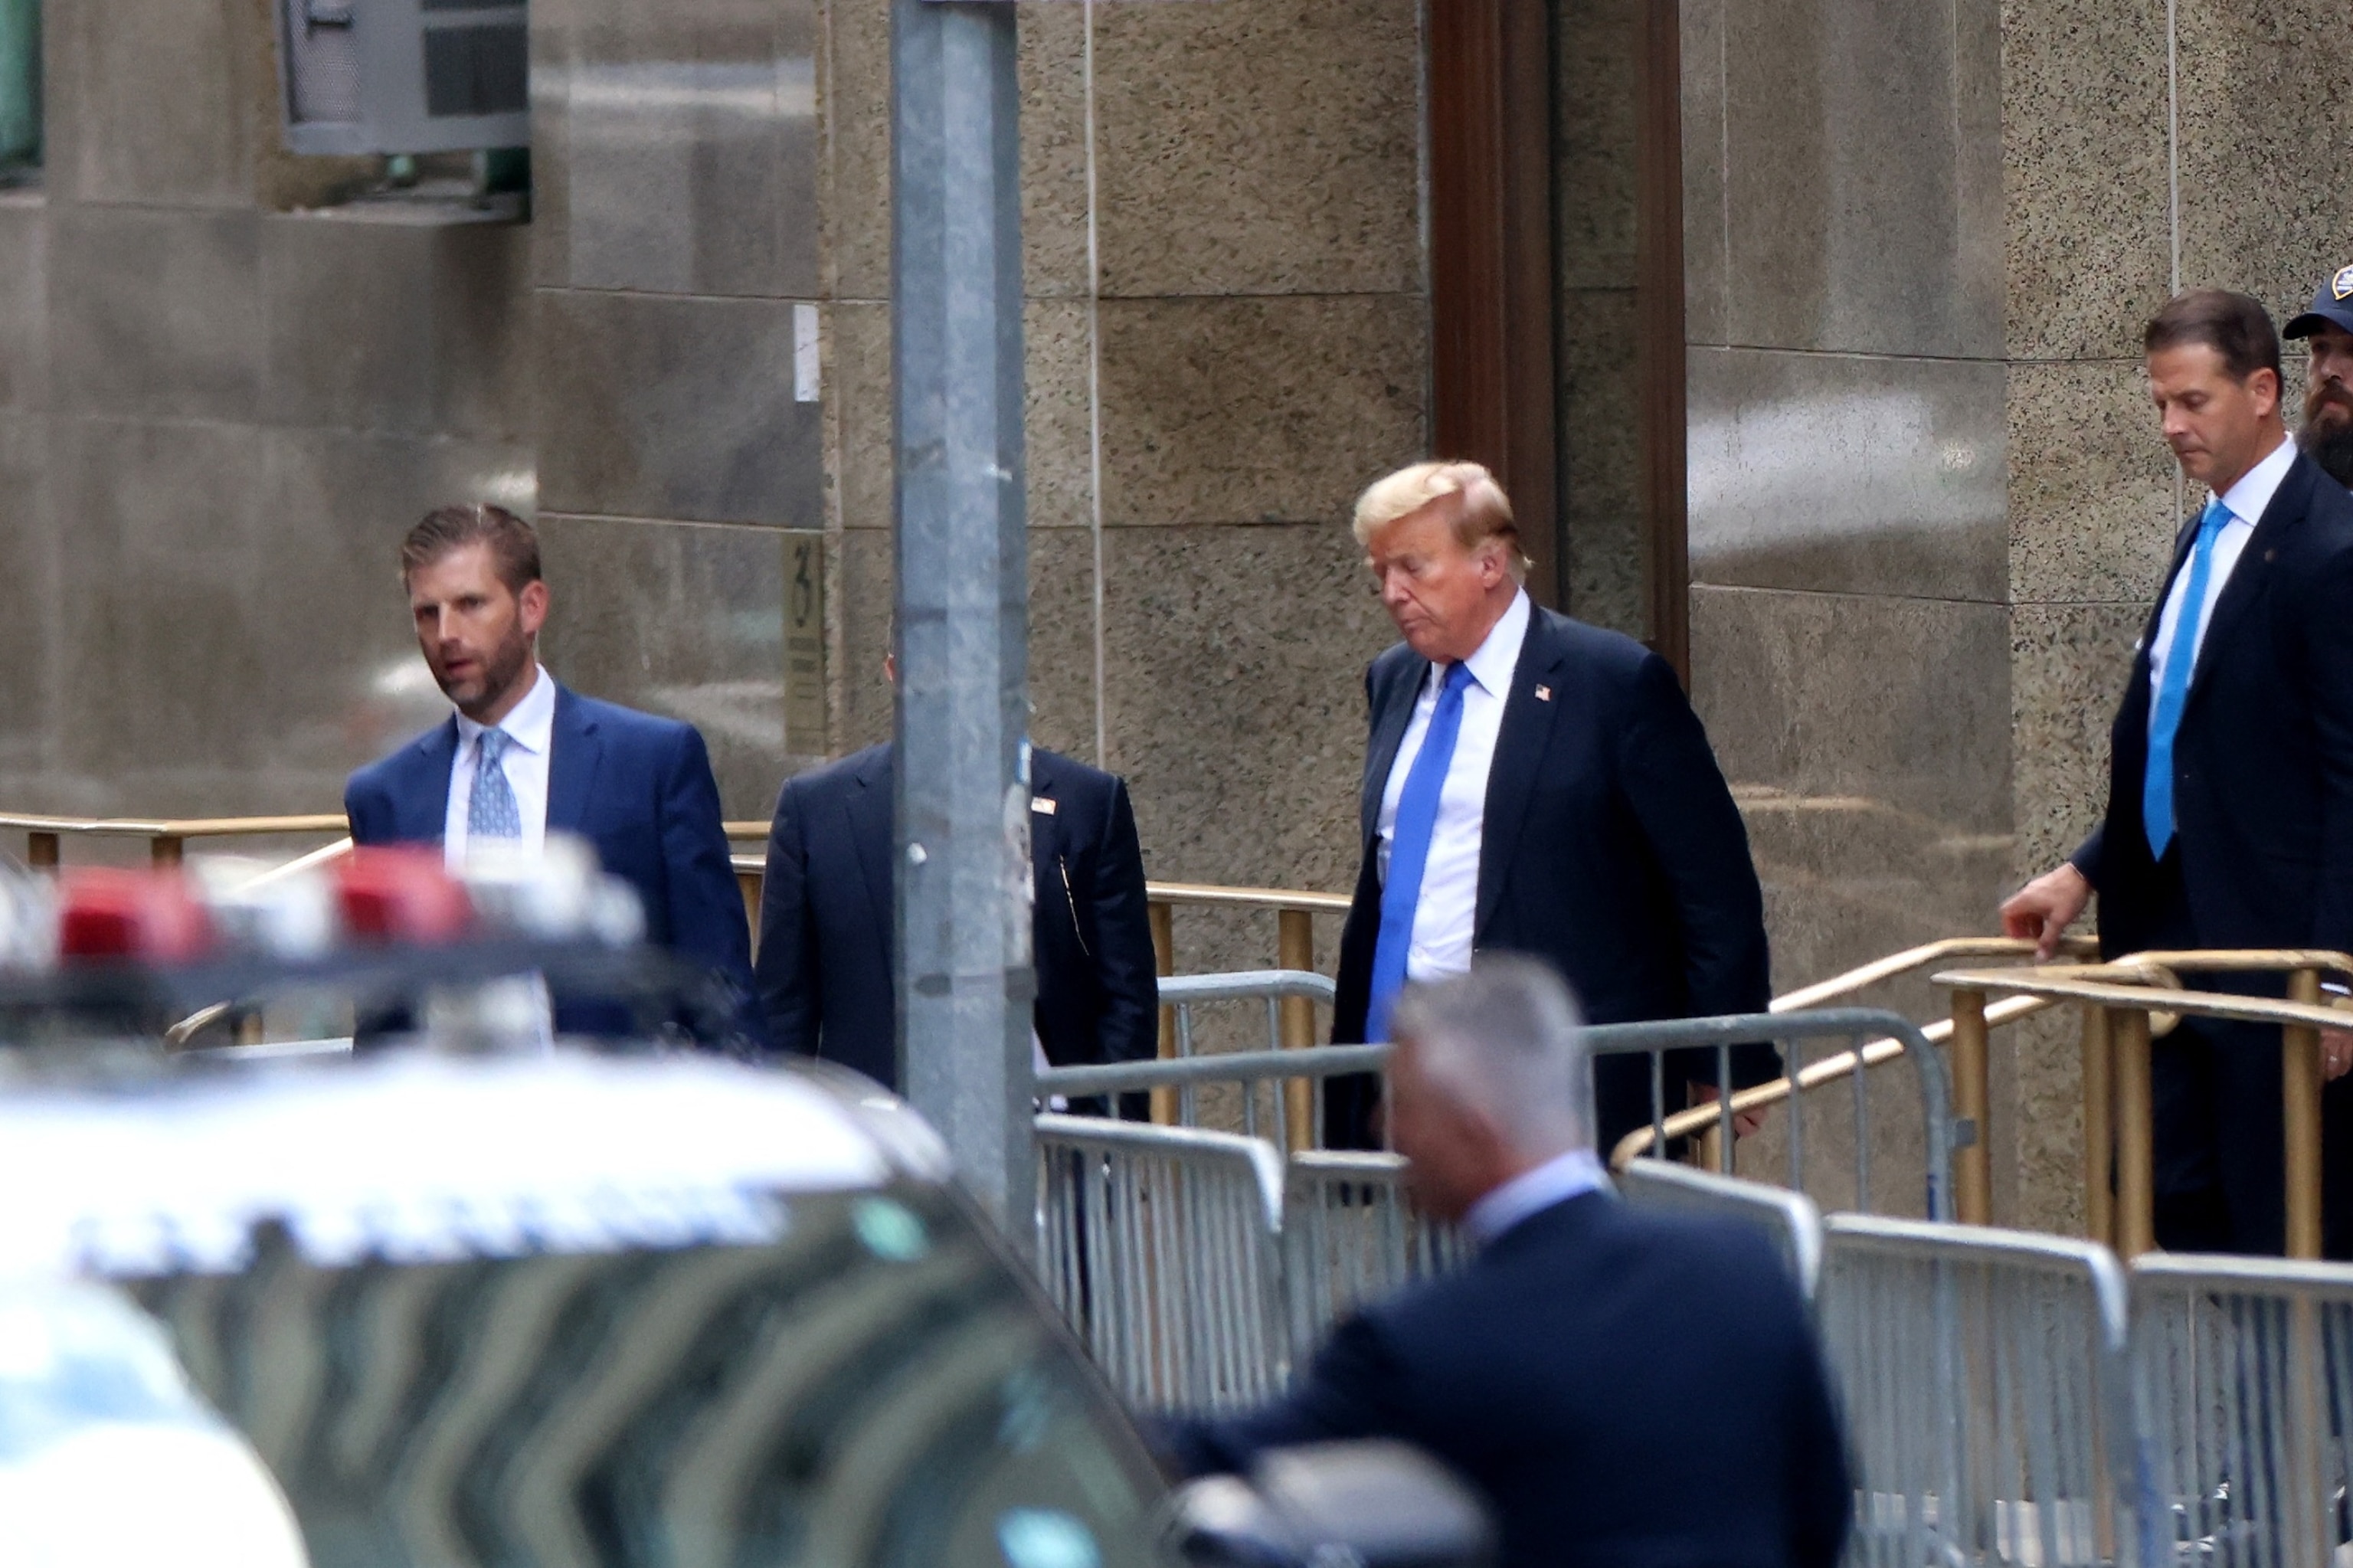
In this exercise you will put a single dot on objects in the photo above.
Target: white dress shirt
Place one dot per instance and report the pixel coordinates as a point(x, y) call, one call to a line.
point(531, 731)
point(2246, 501)
point(1557, 1181)
point(1449, 907)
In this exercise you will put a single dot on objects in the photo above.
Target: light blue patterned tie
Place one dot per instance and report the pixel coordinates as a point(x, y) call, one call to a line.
point(2173, 692)
point(490, 811)
point(1409, 836)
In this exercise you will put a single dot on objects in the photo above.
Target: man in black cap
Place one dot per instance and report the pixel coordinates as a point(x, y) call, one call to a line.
point(2326, 434)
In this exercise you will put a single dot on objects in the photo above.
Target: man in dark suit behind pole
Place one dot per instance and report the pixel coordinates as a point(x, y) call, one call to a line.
point(2230, 814)
point(1535, 785)
point(826, 917)
point(522, 757)
point(1624, 1387)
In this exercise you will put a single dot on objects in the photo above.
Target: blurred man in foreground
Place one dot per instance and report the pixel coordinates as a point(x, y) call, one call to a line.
point(522, 757)
point(2326, 435)
point(1623, 1386)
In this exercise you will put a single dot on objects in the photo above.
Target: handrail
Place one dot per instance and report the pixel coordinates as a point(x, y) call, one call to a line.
point(1897, 965)
point(2125, 1003)
point(2149, 998)
point(177, 827)
point(1826, 1070)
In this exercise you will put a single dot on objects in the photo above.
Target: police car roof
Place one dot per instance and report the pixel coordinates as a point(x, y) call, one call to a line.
point(418, 1156)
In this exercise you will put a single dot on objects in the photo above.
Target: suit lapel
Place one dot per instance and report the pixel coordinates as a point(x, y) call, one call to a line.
point(572, 753)
point(1045, 827)
point(1519, 752)
point(1388, 733)
point(423, 805)
point(2249, 577)
point(867, 811)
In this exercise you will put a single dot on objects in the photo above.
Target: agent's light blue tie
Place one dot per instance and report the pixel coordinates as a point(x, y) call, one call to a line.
point(2173, 692)
point(490, 811)
point(1417, 820)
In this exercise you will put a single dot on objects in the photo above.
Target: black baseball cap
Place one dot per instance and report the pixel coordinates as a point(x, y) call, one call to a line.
point(2332, 306)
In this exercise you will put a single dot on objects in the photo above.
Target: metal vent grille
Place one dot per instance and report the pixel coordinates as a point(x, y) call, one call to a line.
point(476, 71)
point(322, 62)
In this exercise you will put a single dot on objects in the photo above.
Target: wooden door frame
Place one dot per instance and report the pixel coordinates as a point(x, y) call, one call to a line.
point(1493, 380)
point(1494, 281)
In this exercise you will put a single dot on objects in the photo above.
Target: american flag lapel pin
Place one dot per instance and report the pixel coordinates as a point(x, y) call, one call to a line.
point(1543, 694)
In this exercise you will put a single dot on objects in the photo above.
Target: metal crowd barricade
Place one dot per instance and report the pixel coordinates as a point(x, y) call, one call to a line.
point(2243, 1374)
point(1789, 1219)
point(1160, 1246)
point(1292, 1111)
point(1253, 1070)
point(1940, 1133)
point(1989, 1405)
point(1719, 1036)
point(1349, 1235)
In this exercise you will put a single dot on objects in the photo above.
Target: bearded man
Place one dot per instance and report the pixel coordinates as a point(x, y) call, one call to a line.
point(523, 758)
point(2327, 433)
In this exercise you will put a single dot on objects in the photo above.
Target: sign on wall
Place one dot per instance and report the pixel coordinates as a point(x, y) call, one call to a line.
point(805, 643)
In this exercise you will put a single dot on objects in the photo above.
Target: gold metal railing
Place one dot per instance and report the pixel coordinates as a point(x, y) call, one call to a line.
point(167, 837)
point(2128, 1002)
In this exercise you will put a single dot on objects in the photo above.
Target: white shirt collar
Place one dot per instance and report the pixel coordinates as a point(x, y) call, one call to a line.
point(529, 725)
point(1496, 658)
point(1557, 1180)
point(2247, 498)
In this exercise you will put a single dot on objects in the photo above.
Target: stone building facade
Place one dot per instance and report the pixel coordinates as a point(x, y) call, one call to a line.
point(1921, 506)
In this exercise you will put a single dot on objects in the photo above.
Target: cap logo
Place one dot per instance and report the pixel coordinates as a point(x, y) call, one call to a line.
point(2342, 284)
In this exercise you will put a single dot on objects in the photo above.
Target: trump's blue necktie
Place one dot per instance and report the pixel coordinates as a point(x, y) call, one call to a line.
point(1417, 820)
point(2173, 688)
point(491, 809)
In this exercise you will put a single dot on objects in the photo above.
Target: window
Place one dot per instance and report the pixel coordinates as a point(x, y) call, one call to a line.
point(875, 1387)
point(20, 90)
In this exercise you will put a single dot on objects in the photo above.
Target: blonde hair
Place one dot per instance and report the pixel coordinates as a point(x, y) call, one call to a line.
point(1485, 512)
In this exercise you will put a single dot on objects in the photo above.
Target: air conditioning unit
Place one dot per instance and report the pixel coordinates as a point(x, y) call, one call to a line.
point(404, 76)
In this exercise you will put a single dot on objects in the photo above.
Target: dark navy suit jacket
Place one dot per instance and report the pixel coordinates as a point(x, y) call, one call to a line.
point(1626, 1388)
point(636, 787)
point(827, 923)
point(1609, 846)
point(2263, 802)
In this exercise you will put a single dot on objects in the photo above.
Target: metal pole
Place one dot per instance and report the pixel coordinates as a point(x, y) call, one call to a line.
point(1973, 1175)
point(1163, 916)
point(2300, 1076)
point(2136, 1159)
point(1296, 949)
point(965, 982)
point(2099, 1129)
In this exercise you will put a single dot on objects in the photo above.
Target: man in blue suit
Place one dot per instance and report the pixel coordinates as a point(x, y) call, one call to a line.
point(1624, 1386)
point(2229, 812)
point(523, 757)
point(1536, 785)
point(827, 923)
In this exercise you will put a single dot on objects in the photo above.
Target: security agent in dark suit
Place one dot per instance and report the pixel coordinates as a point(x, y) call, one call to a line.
point(1536, 785)
point(2229, 813)
point(1623, 1386)
point(523, 757)
point(827, 924)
